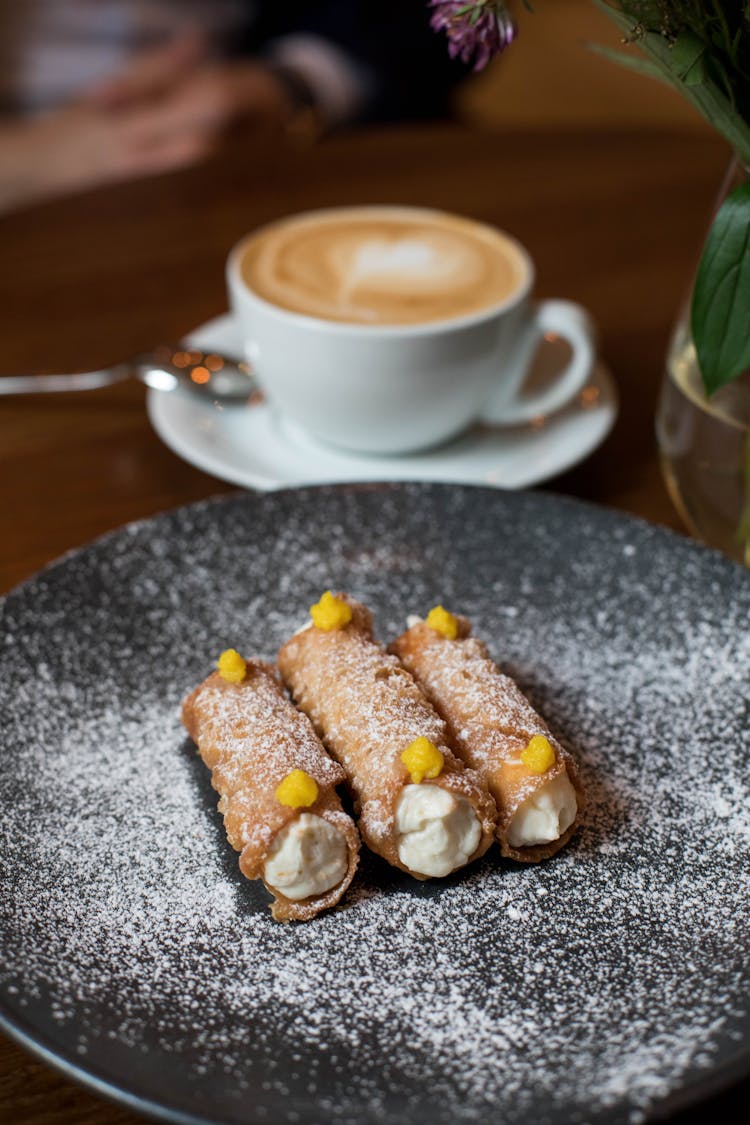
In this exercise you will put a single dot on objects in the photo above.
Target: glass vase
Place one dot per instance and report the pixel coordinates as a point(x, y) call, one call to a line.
point(704, 443)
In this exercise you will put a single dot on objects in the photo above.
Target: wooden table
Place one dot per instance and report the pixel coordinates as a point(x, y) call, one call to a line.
point(613, 220)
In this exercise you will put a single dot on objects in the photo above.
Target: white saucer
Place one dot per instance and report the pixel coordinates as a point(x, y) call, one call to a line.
point(250, 445)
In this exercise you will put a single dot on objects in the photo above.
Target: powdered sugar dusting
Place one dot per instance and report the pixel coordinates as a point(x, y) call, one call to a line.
point(594, 986)
point(489, 718)
point(368, 709)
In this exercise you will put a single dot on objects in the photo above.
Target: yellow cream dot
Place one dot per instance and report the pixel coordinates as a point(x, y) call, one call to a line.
point(298, 790)
point(330, 612)
point(422, 759)
point(538, 755)
point(232, 667)
point(443, 622)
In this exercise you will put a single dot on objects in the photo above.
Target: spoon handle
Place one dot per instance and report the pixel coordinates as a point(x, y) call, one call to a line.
point(43, 384)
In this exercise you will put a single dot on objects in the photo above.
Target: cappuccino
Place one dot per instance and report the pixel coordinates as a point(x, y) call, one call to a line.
point(382, 266)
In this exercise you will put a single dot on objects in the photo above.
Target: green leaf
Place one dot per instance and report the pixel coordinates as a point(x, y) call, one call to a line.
point(721, 299)
point(689, 58)
point(629, 61)
point(648, 11)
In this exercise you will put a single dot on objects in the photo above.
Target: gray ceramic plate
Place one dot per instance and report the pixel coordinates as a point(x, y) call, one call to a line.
point(610, 983)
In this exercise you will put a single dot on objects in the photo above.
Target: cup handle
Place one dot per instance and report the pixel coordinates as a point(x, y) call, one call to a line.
point(560, 318)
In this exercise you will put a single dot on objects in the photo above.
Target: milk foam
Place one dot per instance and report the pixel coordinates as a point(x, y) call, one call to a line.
point(403, 256)
point(382, 266)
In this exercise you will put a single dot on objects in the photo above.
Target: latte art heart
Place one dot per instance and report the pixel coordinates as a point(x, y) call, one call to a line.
point(369, 276)
point(399, 258)
point(382, 266)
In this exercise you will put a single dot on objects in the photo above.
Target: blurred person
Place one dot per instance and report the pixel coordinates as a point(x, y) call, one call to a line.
point(100, 90)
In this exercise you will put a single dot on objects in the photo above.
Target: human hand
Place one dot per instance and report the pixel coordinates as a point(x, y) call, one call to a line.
point(77, 147)
point(178, 89)
point(167, 110)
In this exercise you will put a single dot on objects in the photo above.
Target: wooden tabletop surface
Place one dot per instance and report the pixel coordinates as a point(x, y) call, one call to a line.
point(613, 220)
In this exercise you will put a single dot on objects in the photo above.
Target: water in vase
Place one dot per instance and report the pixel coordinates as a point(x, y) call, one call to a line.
point(704, 446)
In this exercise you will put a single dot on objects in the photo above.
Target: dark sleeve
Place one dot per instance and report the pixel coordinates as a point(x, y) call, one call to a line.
point(409, 71)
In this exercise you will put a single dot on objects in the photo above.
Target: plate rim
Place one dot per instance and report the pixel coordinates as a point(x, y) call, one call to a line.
point(720, 1080)
point(238, 494)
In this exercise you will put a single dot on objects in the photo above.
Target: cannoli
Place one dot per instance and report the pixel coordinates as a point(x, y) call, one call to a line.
point(497, 732)
point(418, 806)
point(277, 787)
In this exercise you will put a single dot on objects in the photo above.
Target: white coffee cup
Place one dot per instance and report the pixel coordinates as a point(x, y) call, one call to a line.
point(400, 387)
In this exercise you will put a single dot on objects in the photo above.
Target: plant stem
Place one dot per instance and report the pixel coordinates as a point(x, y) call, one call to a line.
point(708, 98)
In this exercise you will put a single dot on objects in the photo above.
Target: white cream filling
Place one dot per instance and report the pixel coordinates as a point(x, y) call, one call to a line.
point(307, 857)
point(545, 815)
point(437, 831)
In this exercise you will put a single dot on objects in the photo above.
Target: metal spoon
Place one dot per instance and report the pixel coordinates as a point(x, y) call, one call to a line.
point(166, 368)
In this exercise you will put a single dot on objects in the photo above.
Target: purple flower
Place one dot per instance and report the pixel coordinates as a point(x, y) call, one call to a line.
point(477, 29)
